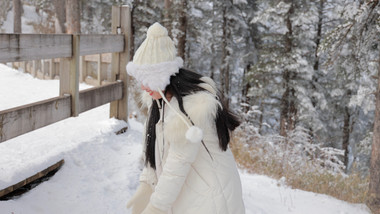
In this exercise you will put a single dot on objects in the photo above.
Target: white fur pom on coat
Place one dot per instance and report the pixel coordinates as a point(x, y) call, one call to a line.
point(194, 134)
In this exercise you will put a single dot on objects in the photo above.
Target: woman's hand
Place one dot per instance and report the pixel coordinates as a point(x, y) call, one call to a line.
point(140, 199)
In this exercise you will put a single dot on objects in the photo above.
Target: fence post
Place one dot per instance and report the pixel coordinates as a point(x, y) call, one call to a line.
point(23, 66)
point(43, 69)
point(34, 68)
point(51, 68)
point(69, 76)
point(82, 69)
point(99, 69)
point(115, 25)
point(121, 23)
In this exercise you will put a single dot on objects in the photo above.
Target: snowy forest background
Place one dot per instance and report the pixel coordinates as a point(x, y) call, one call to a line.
point(301, 73)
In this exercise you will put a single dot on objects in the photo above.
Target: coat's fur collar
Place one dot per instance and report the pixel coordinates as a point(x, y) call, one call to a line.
point(201, 107)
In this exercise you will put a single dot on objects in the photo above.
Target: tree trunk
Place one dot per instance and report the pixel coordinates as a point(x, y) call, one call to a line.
point(374, 182)
point(168, 21)
point(73, 16)
point(60, 13)
point(181, 37)
point(288, 105)
point(292, 110)
point(319, 33)
point(284, 105)
point(246, 87)
point(224, 71)
point(314, 79)
point(261, 117)
point(346, 134)
point(17, 12)
point(175, 12)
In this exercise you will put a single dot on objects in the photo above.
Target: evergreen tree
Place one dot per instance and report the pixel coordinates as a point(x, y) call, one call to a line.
point(279, 81)
point(349, 101)
point(361, 54)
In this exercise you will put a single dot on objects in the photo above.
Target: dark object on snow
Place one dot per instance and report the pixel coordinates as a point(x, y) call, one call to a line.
point(121, 131)
point(29, 183)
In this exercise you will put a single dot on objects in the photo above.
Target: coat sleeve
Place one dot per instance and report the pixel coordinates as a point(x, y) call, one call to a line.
point(182, 153)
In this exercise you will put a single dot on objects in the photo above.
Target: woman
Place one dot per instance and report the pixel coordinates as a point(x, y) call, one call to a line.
point(189, 168)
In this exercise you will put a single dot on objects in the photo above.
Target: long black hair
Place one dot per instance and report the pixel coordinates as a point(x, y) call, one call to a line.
point(187, 82)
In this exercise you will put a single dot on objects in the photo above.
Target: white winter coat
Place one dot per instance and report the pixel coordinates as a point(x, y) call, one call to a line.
point(187, 180)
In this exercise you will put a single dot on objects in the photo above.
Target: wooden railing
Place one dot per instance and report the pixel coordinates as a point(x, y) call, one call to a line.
point(93, 69)
point(71, 101)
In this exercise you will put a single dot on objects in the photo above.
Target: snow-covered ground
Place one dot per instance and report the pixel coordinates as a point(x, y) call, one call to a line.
point(101, 169)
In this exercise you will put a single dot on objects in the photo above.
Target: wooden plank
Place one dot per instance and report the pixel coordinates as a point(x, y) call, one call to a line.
point(82, 69)
point(64, 76)
point(69, 76)
point(106, 58)
point(43, 68)
point(97, 96)
point(25, 47)
point(115, 26)
point(74, 76)
point(26, 118)
point(126, 29)
point(99, 70)
point(34, 68)
point(101, 43)
point(31, 178)
point(51, 69)
point(23, 66)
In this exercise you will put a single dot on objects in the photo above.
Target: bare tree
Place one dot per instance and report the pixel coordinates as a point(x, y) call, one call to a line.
point(225, 70)
point(17, 12)
point(175, 20)
point(374, 182)
point(181, 37)
point(288, 106)
point(60, 13)
point(168, 19)
point(73, 16)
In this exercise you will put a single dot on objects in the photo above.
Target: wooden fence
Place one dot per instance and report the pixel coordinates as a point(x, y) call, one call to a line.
point(69, 48)
point(94, 70)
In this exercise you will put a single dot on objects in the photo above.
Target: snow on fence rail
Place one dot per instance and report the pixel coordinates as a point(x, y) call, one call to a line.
point(71, 102)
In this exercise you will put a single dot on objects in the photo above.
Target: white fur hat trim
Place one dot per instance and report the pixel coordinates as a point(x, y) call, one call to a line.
point(194, 134)
point(155, 75)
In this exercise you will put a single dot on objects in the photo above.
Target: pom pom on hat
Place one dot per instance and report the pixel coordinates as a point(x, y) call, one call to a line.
point(156, 30)
point(155, 60)
point(194, 134)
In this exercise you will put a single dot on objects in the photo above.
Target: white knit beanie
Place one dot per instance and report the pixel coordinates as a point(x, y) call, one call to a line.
point(155, 60)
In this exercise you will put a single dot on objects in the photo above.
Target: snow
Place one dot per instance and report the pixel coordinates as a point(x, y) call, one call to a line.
point(196, 13)
point(101, 168)
point(29, 16)
point(15, 94)
point(263, 195)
